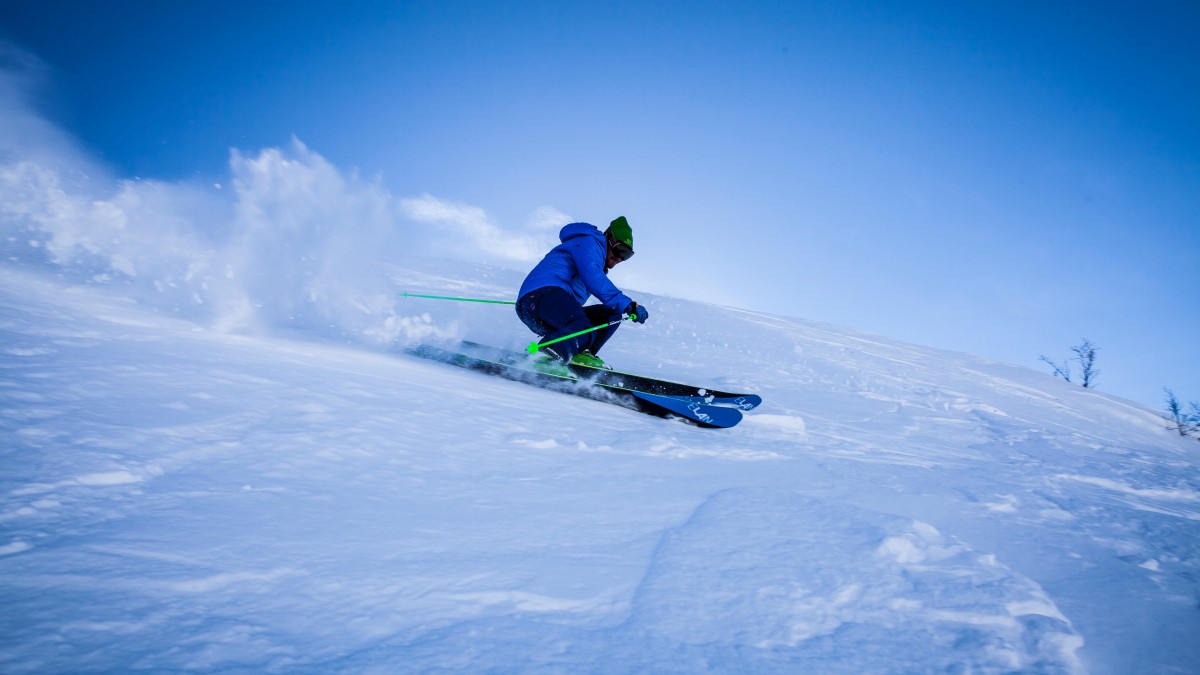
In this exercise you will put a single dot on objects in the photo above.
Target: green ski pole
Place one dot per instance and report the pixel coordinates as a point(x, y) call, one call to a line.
point(447, 297)
point(534, 346)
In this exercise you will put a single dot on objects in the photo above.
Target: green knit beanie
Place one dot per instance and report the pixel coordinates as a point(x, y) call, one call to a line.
point(620, 230)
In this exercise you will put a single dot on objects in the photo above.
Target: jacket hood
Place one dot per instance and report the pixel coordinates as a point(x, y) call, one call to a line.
point(578, 230)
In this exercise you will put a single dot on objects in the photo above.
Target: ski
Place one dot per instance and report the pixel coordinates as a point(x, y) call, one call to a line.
point(517, 367)
point(703, 414)
point(651, 385)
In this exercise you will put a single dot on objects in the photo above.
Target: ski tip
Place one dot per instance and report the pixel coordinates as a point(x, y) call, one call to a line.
point(710, 416)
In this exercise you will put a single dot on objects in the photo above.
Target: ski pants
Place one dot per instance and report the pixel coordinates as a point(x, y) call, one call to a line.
point(552, 312)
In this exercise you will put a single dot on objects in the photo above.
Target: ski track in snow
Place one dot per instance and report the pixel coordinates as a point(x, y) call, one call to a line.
point(172, 497)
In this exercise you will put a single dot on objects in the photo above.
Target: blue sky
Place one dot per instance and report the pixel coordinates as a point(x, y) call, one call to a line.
point(997, 178)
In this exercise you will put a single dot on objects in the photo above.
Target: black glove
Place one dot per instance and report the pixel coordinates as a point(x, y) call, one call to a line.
point(637, 313)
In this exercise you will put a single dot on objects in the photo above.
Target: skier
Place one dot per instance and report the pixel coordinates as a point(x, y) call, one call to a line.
point(551, 298)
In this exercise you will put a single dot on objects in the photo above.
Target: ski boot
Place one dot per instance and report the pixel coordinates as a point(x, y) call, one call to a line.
point(549, 362)
point(586, 358)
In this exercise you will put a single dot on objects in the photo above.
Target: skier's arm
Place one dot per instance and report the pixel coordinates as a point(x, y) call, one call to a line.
point(589, 260)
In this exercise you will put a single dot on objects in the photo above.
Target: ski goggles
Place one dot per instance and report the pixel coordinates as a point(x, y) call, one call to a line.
point(622, 250)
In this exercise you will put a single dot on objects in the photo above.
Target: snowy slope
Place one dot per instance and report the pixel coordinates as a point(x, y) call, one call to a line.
point(177, 497)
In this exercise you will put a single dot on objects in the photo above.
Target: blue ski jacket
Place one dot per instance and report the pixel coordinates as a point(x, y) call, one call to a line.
point(577, 266)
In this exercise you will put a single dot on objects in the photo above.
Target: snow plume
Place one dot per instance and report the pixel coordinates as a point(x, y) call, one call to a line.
point(296, 242)
point(472, 224)
point(266, 258)
point(305, 238)
point(23, 132)
point(139, 234)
